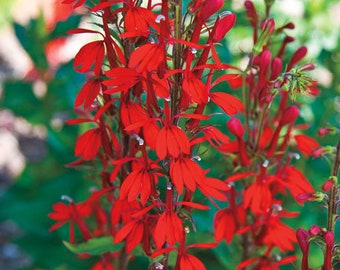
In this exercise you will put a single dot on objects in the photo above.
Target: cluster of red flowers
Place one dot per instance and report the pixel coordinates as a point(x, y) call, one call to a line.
point(150, 78)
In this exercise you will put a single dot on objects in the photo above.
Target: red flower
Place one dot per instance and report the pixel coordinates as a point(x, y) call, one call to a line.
point(132, 232)
point(184, 260)
point(225, 21)
point(121, 79)
point(235, 127)
point(266, 263)
point(306, 144)
point(133, 116)
point(303, 239)
point(138, 19)
point(190, 262)
point(172, 141)
point(169, 228)
point(225, 225)
point(215, 137)
point(103, 266)
point(186, 172)
point(228, 103)
point(258, 197)
point(88, 144)
point(213, 188)
point(90, 54)
point(195, 88)
point(147, 57)
point(88, 93)
point(141, 181)
point(73, 213)
point(278, 234)
point(297, 183)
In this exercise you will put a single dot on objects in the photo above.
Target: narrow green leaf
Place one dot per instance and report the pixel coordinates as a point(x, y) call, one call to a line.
point(95, 246)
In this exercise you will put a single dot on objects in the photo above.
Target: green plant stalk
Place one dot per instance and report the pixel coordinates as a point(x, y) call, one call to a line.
point(177, 54)
point(333, 192)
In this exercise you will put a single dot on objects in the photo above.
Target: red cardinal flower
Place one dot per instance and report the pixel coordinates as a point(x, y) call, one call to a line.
point(141, 181)
point(190, 262)
point(121, 79)
point(172, 141)
point(88, 93)
point(138, 19)
point(226, 223)
point(90, 54)
point(296, 182)
point(132, 232)
point(186, 172)
point(306, 144)
point(195, 88)
point(228, 103)
point(147, 57)
point(169, 228)
point(279, 235)
point(88, 144)
point(258, 197)
point(73, 213)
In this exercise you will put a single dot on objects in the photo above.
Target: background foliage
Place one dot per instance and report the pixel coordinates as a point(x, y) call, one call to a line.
point(29, 198)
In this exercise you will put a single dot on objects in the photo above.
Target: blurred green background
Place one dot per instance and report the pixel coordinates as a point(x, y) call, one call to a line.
point(32, 111)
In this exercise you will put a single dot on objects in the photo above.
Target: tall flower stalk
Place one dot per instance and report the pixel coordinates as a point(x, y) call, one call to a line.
point(324, 236)
point(150, 77)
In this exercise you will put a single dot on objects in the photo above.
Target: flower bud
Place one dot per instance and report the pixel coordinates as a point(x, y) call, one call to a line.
point(329, 239)
point(302, 237)
point(309, 197)
point(329, 183)
point(268, 30)
point(326, 130)
point(224, 23)
point(315, 230)
point(210, 7)
point(235, 127)
point(289, 115)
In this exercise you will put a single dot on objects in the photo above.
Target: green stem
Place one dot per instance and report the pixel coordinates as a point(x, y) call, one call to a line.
point(260, 127)
point(245, 99)
point(177, 54)
point(333, 193)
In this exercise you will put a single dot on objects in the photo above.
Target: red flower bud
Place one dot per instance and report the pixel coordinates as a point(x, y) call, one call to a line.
point(328, 185)
point(325, 131)
point(210, 7)
point(297, 56)
point(289, 115)
point(302, 237)
point(235, 127)
point(224, 23)
point(329, 239)
point(276, 68)
point(315, 230)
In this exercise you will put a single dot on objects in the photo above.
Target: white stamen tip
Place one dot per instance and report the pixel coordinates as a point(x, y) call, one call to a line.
point(66, 198)
point(169, 186)
point(158, 266)
point(193, 50)
point(265, 164)
point(224, 13)
point(160, 18)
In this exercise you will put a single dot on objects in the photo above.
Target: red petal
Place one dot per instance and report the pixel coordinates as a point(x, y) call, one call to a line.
point(228, 103)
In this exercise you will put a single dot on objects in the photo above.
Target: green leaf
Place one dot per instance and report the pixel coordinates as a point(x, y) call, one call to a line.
point(33, 39)
point(95, 246)
point(18, 96)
